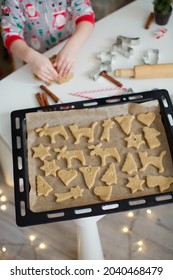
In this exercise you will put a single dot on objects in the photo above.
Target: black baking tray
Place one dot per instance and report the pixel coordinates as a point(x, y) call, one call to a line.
point(25, 217)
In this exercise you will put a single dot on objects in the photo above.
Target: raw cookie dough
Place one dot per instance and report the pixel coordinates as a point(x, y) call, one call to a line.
point(146, 118)
point(152, 160)
point(134, 140)
point(162, 182)
point(41, 152)
point(83, 132)
point(43, 188)
point(125, 122)
point(110, 176)
point(150, 135)
point(129, 165)
point(104, 192)
point(52, 132)
point(73, 193)
point(135, 184)
point(49, 167)
point(89, 173)
point(67, 176)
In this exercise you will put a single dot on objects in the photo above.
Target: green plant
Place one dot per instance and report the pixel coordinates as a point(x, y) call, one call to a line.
point(162, 6)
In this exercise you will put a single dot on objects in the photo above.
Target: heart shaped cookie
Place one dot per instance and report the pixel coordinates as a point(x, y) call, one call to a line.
point(67, 176)
point(146, 118)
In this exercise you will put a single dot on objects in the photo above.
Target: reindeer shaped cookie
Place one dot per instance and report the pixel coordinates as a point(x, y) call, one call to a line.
point(103, 153)
point(83, 131)
point(69, 155)
point(52, 132)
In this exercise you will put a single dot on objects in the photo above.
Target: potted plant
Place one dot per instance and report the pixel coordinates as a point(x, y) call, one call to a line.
point(162, 11)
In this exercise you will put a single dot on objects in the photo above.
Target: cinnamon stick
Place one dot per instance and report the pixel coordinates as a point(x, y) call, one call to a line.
point(45, 99)
point(51, 94)
point(109, 78)
point(149, 20)
point(40, 99)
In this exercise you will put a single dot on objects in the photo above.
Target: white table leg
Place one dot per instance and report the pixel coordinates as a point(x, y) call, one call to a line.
point(6, 163)
point(88, 239)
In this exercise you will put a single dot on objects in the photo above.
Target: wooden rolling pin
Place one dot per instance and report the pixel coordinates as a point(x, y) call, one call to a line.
point(146, 71)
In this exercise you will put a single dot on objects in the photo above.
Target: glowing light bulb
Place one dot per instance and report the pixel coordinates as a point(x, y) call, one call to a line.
point(32, 237)
point(149, 211)
point(140, 243)
point(4, 249)
point(125, 229)
point(42, 246)
point(130, 214)
point(3, 207)
point(3, 198)
point(140, 249)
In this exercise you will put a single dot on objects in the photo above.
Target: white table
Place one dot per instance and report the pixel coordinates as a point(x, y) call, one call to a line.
point(18, 89)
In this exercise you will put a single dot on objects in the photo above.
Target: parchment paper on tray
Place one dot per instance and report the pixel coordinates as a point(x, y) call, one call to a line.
point(85, 118)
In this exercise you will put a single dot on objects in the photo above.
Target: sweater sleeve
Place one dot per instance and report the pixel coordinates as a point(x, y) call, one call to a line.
point(82, 11)
point(12, 22)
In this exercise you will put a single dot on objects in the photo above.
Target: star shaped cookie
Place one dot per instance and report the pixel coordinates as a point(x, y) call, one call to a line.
point(134, 140)
point(135, 184)
point(41, 152)
point(49, 167)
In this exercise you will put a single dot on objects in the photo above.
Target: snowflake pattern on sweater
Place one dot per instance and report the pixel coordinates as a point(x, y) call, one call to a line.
point(42, 23)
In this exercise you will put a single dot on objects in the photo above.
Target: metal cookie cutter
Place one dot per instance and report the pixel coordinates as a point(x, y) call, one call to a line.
point(151, 56)
point(123, 45)
point(107, 57)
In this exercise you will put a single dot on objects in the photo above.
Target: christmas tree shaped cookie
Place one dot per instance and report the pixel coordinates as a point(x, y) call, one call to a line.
point(43, 188)
point(110, 176)
point(129, 165)
point(89, 173)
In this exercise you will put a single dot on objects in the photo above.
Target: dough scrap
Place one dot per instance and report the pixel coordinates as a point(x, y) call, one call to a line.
point(146, 118)
point(45, 130)
point(125, 122)
point(104, 192)
point(150, 135)
point(67, 176)
point(129, 165)
point(83, 132)
point(49, 167)
point(43, 188)
point(89, 173)
point(152, 160)
point(162, 182)
point(110, 176)
point(64, 79)
point(134, 140)
point(135, 184)
point(107, 125)
point(41, 151)
point(73, 193)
